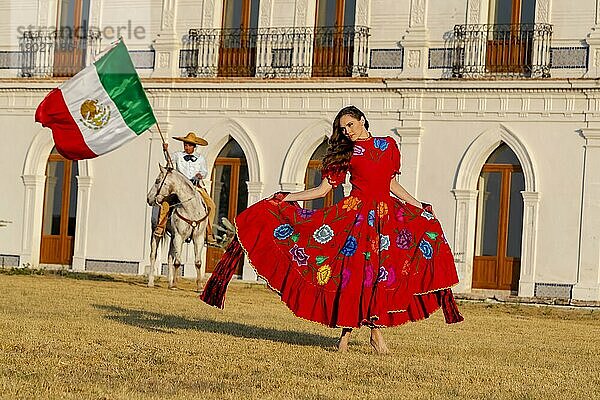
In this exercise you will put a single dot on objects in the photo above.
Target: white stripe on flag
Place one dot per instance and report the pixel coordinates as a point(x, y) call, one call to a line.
point(87, 86)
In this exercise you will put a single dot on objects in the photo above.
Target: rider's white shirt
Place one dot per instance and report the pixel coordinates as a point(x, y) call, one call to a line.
point(190, 168)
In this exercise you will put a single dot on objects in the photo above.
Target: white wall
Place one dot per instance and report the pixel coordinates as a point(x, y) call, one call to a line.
point(442, 16)
point(571, 21)
point(389, 22)
point(17, 130)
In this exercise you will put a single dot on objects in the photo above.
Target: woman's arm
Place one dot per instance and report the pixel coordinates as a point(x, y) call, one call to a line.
point(402, 194)
point(310, 194)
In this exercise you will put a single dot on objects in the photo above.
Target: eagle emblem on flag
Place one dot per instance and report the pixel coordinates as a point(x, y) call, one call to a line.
point(94, 115)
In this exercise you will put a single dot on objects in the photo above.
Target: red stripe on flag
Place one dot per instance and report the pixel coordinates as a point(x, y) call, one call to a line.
point(54, 114)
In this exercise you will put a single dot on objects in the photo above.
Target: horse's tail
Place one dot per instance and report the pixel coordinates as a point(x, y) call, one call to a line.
point(215, 288)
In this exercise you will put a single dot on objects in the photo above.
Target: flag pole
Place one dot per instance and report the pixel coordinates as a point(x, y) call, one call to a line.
point(165, 152)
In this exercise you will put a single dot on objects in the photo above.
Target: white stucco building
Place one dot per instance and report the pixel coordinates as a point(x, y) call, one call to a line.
point(495, 104)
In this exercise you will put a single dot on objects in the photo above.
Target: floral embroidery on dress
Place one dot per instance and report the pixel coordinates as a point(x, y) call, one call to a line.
point(380, 143)
point(426, 249)
point(323, 234)
point(369, 275)
point(320, 259)
point(283, 231)
point(350, 246)
point(384, 242)
point(358, 150)
point(374, 244)
point(404, 239)
point(405, 268)
point(351, 203)
point(391, 278)
point(298, 255)
point(382, 209)
point(323, 274)
point(359, 219)
point(427, 215)
point(305, 213)
point(345, 277)
point(400, 215)
point(383, 275)
point(371, 218)
point(432, 235)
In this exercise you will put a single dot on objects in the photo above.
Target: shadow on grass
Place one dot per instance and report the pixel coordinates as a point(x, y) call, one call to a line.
point(165, 323)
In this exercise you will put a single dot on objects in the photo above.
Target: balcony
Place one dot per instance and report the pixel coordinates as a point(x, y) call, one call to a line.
point(502, 51)
point(56, 53)
point(276, 52)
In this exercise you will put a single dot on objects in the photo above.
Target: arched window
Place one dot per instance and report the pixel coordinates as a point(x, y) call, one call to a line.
point(499, 222)
point(60, 210)
point(313, 178)
point(230, 193)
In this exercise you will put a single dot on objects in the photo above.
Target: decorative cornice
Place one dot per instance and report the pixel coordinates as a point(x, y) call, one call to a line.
point(465, 194)
point(255, 187)
point(591, 136)
point(530, 197)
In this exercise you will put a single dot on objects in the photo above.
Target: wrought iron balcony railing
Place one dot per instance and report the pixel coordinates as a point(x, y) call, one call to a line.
point(62, 52)
point(512, 51)
point(276, 52)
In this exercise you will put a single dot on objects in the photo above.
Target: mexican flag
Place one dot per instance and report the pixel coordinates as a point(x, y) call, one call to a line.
point(98, 110)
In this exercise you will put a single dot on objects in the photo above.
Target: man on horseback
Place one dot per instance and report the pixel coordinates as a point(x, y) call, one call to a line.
point(193, 166)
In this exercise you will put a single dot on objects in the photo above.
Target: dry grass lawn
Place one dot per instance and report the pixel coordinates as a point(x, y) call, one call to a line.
point(116, 339)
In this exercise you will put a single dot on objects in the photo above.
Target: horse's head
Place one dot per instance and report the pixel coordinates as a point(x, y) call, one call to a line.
point(163, 186)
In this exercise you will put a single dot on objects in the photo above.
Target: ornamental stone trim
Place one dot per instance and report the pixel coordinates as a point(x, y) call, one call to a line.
point(569, 57)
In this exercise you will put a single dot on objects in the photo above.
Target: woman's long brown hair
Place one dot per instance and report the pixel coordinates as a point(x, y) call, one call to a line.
point(339, 152)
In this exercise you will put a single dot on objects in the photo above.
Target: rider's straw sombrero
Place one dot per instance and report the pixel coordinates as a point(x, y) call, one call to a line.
point(192, 139)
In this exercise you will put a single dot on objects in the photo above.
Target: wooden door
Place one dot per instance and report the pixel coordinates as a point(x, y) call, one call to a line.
point(499, 227)
point(237, 49)
point(334, 38)
point(230, 192)
point(71, 37)
point(60, 207)
point(509, 47)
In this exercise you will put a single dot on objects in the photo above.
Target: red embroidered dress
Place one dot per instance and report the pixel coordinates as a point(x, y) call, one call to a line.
point(370, 259)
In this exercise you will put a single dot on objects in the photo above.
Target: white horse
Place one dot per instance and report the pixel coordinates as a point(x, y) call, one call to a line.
point(189, 217)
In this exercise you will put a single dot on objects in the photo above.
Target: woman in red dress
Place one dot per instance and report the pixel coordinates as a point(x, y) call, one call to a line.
point(369, 260)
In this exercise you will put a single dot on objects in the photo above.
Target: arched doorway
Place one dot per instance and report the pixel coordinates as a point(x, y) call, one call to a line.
point(60, 209)
point(313, 178)
point(499, 222)
point(229, 191)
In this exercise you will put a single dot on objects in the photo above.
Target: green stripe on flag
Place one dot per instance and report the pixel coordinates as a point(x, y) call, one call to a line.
point(121, 82)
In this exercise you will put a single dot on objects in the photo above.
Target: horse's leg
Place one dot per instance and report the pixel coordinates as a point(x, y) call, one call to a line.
point(154, 243)
point(170, 267)
point(199, 235)
point(176, 246)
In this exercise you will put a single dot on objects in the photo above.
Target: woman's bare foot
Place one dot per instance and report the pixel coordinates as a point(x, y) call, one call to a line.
point(377, 341)
point(344, 339)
